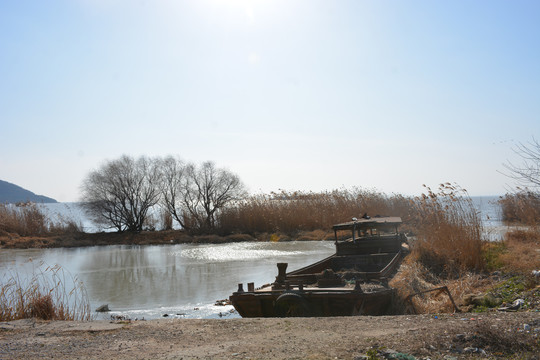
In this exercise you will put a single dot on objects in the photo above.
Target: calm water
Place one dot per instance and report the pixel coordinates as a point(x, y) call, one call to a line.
point(150, 281)
point(490, 212)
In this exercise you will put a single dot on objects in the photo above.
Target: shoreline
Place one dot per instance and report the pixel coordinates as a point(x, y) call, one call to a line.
point(442, 336)
point(164, 237)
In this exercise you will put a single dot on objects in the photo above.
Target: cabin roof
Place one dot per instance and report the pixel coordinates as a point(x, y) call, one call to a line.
point(373, 222)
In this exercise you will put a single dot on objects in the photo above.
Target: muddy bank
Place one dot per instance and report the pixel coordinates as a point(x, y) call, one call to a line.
point(446, 336)
point(76, 239)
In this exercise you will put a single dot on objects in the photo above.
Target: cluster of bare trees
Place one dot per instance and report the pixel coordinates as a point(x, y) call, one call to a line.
point(527, 173)
point(120, 194)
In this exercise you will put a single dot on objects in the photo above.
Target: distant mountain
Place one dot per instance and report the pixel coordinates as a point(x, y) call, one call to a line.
point(11, 193)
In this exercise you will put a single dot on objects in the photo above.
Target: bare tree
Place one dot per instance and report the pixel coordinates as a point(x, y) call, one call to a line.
point(120, 193)
point(527, 173)
point(195, 194)
point(174, 187)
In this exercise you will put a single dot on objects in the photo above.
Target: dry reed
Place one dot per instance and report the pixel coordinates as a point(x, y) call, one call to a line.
point(26, 219)
point(449, 232)
point(293, 212)
point(44, 295)
point(447, 251)
point(522, 207)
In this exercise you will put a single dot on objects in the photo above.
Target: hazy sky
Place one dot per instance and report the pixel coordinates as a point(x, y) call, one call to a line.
point(296, 95)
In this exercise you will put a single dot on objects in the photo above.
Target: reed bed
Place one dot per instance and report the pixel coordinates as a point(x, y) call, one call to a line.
point(44, 295)
point(446, 251)
point(293, 212)
point(522, 207)
point(449, 232)
point(26, 219)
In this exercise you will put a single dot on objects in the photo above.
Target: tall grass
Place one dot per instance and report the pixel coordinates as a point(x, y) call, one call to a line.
point(521, 207)
point(447, 250)
point(44, 295)
point(449, 232)
point(26, 219)
point(291, 212)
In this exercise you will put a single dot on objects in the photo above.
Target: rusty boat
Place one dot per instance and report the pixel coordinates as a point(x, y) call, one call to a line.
point(353, 281)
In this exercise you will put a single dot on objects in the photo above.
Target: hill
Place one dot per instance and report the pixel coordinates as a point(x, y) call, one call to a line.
point(11, 193)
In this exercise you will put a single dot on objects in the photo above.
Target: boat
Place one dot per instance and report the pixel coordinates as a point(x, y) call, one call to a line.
point(353, 281)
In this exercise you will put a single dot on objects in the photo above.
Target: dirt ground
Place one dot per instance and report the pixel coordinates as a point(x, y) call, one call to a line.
point(444, 336)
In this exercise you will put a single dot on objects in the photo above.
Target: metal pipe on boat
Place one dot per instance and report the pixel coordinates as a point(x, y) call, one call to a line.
point(282, 268)
point(240, 287)
point(251, 287)
point(282, 272)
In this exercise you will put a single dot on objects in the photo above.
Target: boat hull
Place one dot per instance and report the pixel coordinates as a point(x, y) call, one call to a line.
point(316, 302)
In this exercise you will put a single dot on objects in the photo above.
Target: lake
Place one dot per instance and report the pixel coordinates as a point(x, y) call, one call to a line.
point(178, 280)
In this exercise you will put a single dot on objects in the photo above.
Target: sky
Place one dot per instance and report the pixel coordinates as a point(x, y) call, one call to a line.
point(306, 95)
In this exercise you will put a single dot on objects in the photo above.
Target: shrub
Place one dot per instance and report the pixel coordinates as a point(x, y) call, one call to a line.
point(240, 238)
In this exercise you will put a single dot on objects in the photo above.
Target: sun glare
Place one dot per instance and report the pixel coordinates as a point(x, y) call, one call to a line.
point(250, 10)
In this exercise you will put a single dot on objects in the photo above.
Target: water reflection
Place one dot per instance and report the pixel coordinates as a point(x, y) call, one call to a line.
point(150, 280)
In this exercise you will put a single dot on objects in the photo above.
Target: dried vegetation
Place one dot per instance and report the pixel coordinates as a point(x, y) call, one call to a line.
point(26, 219)
point(522, 207)
point(293, 212)
point(449, 249)
point(46, 295)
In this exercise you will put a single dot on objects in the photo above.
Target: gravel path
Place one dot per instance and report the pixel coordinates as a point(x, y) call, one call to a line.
point(490, 335)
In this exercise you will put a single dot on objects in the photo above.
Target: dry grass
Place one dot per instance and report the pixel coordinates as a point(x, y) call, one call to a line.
point(522, 251)
point(292, 212)
point(522, 207)
point(22, 219)
point(414, 278)
point(519, 253)
point(26, 219)
point(44, 295)
point(447, 251)
point(449, 232)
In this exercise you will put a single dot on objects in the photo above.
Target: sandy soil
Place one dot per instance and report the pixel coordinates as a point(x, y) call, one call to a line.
point(447, 336)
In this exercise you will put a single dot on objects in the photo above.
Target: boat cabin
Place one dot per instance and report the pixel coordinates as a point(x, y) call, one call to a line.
point(368, 236)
